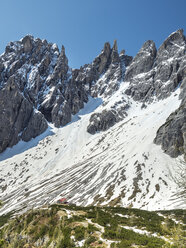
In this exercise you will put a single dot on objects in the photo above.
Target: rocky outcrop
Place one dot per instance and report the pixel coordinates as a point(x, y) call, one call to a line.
point(102, 61)
point(125, 58)
point(18, 120)
point(114, 69)
point(157, 73)
point(143, 61)
point(172, 134)
point(174, 44)
point(37, 124)
point(102, 121)
point(27, 44)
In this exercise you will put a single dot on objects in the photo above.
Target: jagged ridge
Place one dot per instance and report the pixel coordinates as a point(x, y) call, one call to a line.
point(37, 77)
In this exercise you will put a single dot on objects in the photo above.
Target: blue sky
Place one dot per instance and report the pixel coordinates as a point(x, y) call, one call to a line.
point(83, 26)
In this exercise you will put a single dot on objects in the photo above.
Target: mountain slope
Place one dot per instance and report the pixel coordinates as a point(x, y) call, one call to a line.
point(102, 122)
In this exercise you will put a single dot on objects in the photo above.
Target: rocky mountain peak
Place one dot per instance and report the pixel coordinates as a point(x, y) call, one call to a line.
point(61, 68)
point(102, 61)
point(148, 46)
point(115, 46)
point(106, 48)
point(174, 45)
point(114, 54)
point(27, 43)
point(122, 52)
point(62, 51)
point(143, 61)
point(176, 38)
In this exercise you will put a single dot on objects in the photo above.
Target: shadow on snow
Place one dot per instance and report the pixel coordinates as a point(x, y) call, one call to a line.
point(22, 146)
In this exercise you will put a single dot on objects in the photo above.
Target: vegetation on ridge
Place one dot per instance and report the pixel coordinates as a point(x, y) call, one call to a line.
point(64, 226)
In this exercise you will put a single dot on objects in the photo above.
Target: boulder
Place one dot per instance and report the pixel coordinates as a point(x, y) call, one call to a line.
point(101, 121)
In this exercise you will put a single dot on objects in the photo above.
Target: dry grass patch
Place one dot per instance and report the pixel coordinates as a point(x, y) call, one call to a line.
point(61, 213)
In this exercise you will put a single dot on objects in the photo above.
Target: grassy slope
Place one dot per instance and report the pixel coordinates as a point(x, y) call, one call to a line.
point(71, 226)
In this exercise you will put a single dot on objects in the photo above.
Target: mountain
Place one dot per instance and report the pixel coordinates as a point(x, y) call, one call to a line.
point(110, 133)
point(42, 87)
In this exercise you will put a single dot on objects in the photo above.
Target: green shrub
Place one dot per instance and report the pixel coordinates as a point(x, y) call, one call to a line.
point(5, 218)
point(132, 237)
point(3, 243)
point(66, 241)
point(90, 240)
point(79, 233)
point(124, 243)
point(43, 230)
point(91, 228)
point(29, 217)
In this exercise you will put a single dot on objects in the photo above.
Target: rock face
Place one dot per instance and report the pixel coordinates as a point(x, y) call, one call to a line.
point(102, 121)
point(157, 73)
point(172, 134)
point(114, 66)
point(143, 61)
point(18, 120)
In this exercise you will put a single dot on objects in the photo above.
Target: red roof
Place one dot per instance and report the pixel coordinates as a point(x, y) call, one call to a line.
point(62, 199)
